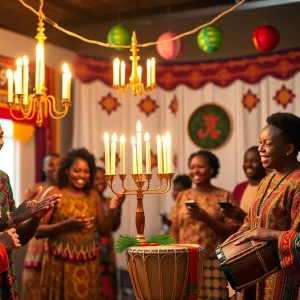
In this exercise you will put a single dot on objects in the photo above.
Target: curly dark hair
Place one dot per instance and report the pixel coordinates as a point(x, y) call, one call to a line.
point(68, 160)
point(289, 124)
point(52, 154)
point(183, 180)
point(213, 161)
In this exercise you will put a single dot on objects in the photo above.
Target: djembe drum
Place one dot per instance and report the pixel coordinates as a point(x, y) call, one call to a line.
point(161, 272)
point(247, 263)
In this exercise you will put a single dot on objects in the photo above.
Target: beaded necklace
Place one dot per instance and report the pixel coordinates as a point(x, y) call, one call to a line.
point(263, 200)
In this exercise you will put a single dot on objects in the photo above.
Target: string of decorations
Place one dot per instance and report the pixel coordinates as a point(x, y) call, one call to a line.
point(111, 45)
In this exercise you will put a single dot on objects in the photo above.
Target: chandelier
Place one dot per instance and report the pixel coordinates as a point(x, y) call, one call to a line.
point(135, 79)
point(38, 104)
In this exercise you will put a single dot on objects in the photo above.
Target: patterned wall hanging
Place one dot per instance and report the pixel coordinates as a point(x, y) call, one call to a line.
point(148, 106)
point(210, 126)
point(250, 100)
point(284, 96)
point(109, 103)
point(174, 105)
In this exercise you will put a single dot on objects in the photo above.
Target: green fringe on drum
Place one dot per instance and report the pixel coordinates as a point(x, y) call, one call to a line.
point(214, 285)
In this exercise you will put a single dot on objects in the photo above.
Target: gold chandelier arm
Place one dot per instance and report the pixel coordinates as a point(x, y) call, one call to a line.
point(29, 111)
point(55, 114)
point(15, 117)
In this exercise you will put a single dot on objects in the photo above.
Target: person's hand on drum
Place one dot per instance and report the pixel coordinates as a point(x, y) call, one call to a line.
point(239, 232)
point(198, 214)
point(261, 234)
point(234, 213)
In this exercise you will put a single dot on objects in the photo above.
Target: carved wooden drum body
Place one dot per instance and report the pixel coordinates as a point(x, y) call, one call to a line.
point(161, 272)
point(247, 263)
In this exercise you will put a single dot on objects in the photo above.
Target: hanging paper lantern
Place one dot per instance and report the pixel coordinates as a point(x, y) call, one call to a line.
point(119, 35)
point(210, 39)
point(169, 50)
point(265, 38)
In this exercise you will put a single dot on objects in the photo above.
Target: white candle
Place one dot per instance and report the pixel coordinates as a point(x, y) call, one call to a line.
point(122, 154)
point(38, 68)
point(66, 82)
point(134, 165)
point(113, 146)
point(139, 147)
point(16, 83)
point(42, 67)
point(116, 70)
point(18, 77)
point(148, 72)
point(165, 155)
point(148, 153)
point(25, 79)
point(153, 76)
point(106, 153)
point(159, 155)
point(139, 73)
point(123, 68)
point(10, 85)
point(169, 151)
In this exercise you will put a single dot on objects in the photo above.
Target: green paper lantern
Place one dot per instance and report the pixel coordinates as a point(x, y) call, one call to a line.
point(119, 35)
point(210, 39)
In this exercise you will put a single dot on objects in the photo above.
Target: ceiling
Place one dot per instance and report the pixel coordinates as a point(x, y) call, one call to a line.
point(81, 16)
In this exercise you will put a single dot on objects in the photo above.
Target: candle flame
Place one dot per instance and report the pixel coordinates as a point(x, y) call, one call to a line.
point(147, 137)
point(19, 62)
point(138, 126)
point(133, 140)
point(106, 137)
point(122, 139)
point(114, 137)
point(25, 61)
point(158, 139)
point(9, 73)
point(65, 68)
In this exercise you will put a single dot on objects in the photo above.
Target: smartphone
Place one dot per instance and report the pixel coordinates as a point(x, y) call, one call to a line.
point(191, 203)
point(225, 204)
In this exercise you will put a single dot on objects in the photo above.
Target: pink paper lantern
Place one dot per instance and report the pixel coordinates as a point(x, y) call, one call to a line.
point(169, 50)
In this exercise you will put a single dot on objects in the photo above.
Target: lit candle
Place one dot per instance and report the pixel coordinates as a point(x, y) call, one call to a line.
point(148, 72)
point(134, 165)
point(123, 73)
point(66, 82)
point(25, 79)
point(148, 153)
point(15, 82)
point(42, 67)
point(165, 155)
point(116, 69)
point(106, 153)
point(38, 67)
point(169, 151)
point(139, 73)
point(139, 147)
point(113, 146)
point(159, 155)
point(153, 70)
point(122, 154)
point(10, 84)
point(18, 77)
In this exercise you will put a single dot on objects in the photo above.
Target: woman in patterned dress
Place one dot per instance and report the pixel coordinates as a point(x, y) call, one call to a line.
point(205, 226)
point(70, 267)
point(34, 255)
point(108, 257)
point(275, 211)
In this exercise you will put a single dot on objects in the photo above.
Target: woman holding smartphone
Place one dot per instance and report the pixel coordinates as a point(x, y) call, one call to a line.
point(205, 225)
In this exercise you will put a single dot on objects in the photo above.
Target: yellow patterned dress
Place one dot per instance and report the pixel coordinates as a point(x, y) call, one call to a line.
point(71, 266)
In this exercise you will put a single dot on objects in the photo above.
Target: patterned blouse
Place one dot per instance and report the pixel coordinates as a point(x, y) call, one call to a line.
point(189, 231)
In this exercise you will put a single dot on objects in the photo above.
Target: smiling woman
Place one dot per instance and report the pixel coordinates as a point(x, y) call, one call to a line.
point(275, 215)
point(206, 225)
point(71, 266)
